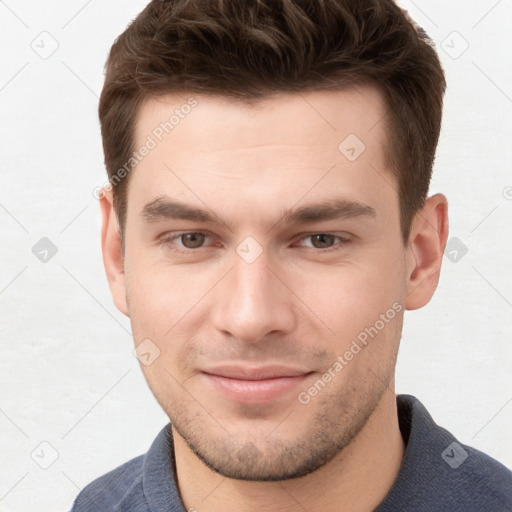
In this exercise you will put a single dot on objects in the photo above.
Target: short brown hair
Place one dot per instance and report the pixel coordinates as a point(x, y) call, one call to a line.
point(251, 49)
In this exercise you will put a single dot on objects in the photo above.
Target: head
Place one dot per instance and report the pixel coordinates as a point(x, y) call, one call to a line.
point(269, 165)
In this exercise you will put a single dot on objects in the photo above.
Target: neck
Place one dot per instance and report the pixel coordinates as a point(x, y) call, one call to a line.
point(358, 478)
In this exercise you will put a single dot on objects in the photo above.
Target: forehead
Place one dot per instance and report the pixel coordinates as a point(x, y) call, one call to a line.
point(272, 152)
point(297, 119)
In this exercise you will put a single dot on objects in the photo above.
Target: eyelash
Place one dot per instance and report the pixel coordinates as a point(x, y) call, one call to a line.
point(168, 242)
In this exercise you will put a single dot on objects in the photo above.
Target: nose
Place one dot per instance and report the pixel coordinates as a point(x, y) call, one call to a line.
point(254, 301)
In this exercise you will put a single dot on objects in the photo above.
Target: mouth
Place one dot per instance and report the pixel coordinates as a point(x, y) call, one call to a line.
point(261, 385)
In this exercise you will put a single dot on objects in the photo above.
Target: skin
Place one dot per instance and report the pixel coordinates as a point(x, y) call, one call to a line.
point(294, 305)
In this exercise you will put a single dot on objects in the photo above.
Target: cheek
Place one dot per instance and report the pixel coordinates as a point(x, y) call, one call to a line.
point(350, 298)
point(159, 294)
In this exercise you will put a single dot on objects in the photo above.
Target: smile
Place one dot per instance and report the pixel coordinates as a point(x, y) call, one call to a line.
point(254, 386)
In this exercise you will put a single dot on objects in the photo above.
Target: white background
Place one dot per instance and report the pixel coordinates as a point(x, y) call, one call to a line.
point(68, 374)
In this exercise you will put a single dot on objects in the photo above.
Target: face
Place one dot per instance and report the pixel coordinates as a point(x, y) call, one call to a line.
point(264, 263)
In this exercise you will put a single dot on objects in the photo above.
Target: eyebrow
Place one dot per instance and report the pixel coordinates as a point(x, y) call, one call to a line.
point(164, 208)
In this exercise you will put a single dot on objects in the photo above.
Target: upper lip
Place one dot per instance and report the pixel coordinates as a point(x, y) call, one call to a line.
point(255, 373)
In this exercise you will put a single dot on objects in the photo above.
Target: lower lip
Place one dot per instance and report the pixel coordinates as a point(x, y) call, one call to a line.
point(254, 391)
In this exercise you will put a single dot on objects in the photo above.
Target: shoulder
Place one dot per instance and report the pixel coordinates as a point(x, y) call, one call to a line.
point(108, 492)
point(440, 473)
point(143, 483)
point(479, 480)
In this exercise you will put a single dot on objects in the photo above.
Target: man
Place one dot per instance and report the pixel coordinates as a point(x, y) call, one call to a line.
point(265, 228)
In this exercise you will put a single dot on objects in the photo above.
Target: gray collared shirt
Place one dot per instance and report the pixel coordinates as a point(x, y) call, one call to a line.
point(437, 474)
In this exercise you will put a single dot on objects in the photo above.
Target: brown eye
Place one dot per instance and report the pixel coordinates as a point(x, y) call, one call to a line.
point(322, 241)
point(192, 240)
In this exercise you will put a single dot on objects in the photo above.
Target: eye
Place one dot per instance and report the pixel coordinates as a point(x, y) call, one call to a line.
point(322, 241)
point(192, 240)
point(185, 241)
point(325, 241)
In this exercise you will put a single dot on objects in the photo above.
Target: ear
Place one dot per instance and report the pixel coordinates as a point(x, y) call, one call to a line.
point(113, 259)
point(427, 241)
